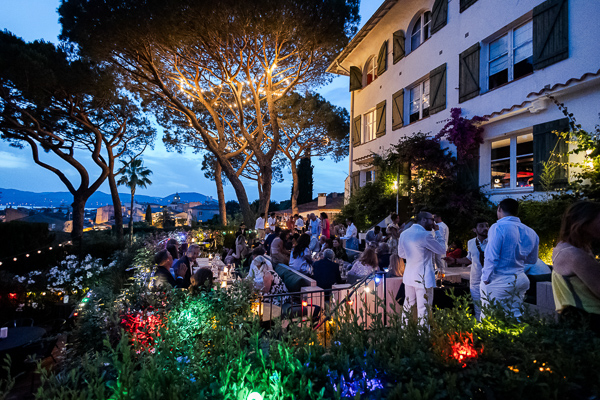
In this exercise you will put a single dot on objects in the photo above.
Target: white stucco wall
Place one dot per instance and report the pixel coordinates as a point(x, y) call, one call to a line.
point(480, 22)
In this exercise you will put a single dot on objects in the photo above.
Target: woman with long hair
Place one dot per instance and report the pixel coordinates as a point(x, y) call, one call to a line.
point(325, 227)
point(338, 249)
point(301, 259)
point(396, 266)
point(576, 275)
point(366, 264)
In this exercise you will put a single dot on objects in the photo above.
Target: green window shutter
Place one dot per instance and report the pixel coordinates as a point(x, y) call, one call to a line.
point(398, 109)
point(545, 141)
point(355, 79)
point(382, 59)
point(550, 33)
point(464, 4)
point(468, 73)
point(437, 89)
point(356, 132)
point(439, 15)
point(399, 45)
point(355, 181)
point(380, 115)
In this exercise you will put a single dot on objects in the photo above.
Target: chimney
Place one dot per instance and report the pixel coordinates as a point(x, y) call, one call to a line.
point(322, 200)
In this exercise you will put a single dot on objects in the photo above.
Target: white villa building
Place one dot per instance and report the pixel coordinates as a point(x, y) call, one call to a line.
point(414, 60)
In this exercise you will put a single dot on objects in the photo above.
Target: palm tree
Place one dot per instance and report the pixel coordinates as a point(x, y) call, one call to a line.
point(134, 175)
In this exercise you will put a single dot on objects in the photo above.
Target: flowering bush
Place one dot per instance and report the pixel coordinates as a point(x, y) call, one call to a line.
point(464, 133)
point(73, 275)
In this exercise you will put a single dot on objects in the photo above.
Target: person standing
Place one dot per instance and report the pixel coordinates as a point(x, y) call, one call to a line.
point(440, 264)
point(511, 245)
point(260, 226)
point(325, 227)
point(299, 223)
point(351, 236)
point(290, 223)
point(417, 246)
point(272, 220)
point(475, 258)
point(315, 226)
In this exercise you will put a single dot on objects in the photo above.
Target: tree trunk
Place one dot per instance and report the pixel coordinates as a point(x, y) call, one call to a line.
point(78, 217)
point(131, 218)
point(295, 188)
point(220, 194)
point(114, 193)
point(266, 178)
point(240, 192)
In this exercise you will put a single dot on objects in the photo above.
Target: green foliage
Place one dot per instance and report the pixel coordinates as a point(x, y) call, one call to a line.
point(544, 217)
point(305, 181)
point(370, 204)
point(587, 144)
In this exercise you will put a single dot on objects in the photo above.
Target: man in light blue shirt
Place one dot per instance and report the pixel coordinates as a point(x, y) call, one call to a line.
point(315, 226)
point(511, 245)
point(418, 246)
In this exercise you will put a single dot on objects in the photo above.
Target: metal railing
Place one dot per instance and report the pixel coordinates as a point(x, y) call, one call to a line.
point(368, 299)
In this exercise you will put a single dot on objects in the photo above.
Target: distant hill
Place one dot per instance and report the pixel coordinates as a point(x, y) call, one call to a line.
point(16, 198)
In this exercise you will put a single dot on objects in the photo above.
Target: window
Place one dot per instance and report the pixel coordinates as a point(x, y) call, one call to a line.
point(370, 70)
point(420, 31)
point(369, 176)
point(369, 131)
point(511, 56)
point(512, 155)
point(419, 101)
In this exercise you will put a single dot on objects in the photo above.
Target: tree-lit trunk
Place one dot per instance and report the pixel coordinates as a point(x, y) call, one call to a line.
point(114, 193)
point(266, 177)
point(131, 217)
point(220, 194)
point(295, 188)
point(78, 217)
point(240, 192)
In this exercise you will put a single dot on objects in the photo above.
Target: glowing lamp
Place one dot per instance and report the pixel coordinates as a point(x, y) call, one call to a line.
point(349, 302)
point(225, 270)
point(367, 289)
point(304, 304)
point(15, 259)
point(224, 284)
point(50, 248)
point(39, 251)
point(12, 296)
point(255, 396)
point(75, 314)
point(26, 255)
point(377, 280)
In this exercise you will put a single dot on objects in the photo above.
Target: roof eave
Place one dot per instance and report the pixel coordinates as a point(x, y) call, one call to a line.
point(334, 67)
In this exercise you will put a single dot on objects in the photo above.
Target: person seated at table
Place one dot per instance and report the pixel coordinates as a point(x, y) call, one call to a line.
point(383, 256)
point(241, 250)
point(301, 259)
point(291, 243)
point(267, 281)
point(396, 267)
point(339, 250)
point(315, 245)
point(366, 264)
point(172, 247)
point(274, 232)
point(323, 243)
point(279, 254)
point(189, 260)
point(201, 281)
point(325, 271)
point(454, 250)
point(162, 279)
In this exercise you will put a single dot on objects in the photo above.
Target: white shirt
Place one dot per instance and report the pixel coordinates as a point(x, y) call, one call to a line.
point(417, 246)
point(315, 227)
point(476, 267)
point(445, 232)
point(511, 245)
point(260, 223)
point(300, 223)
point(351, 232)
point(272, 223)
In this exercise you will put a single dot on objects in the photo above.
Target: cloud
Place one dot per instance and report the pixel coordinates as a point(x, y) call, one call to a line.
point(12, 161)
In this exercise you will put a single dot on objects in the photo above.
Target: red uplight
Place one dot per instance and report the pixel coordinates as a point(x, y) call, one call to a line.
point(462, 348)
point(12, 296)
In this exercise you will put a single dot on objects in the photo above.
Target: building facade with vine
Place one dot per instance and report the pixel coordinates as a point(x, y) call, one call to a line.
point(415, 60)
